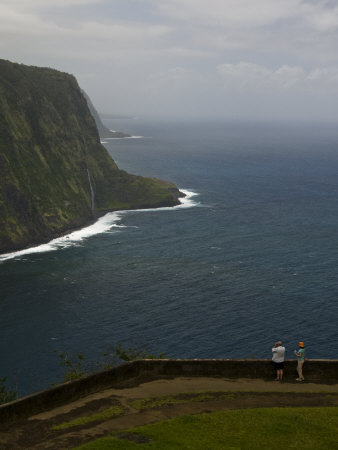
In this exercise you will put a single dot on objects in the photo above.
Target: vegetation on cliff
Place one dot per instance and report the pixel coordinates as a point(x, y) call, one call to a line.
point(103, 131)
point(54, 173)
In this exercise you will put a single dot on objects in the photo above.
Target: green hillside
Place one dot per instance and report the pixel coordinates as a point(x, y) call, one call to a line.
point(54, 173)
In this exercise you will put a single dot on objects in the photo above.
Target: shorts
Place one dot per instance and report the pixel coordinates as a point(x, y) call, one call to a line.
point(278, 365)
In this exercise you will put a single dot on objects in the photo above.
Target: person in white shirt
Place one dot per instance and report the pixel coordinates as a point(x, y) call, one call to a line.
point(278, 353)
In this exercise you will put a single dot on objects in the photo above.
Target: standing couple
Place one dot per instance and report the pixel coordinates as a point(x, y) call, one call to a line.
point(278, 355)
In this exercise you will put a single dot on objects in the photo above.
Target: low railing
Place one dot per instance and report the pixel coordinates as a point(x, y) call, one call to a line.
point(141, 371)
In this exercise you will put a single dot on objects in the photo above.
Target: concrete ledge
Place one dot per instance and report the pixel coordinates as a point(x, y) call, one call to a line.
point(140, 371)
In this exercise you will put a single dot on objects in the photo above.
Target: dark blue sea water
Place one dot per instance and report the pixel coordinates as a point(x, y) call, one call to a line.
point(255, 260)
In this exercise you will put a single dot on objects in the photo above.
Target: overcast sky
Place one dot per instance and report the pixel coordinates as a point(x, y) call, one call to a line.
point(185, 58)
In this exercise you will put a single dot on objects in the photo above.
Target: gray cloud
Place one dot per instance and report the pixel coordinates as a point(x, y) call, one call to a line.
point(248, 76)
point(185, 57)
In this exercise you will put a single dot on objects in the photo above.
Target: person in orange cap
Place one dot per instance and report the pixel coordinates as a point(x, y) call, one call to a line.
point(300, 353)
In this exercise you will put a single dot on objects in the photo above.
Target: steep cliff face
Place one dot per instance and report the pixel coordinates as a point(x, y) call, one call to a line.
point(54, 173)
point(103, 131)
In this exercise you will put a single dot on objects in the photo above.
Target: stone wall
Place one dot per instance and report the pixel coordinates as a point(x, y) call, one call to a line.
point(141, 371)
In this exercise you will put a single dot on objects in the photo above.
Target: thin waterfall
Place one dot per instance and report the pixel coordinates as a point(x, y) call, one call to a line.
point(91, 191)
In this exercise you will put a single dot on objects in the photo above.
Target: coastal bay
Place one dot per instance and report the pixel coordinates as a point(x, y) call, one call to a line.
point(225, 278)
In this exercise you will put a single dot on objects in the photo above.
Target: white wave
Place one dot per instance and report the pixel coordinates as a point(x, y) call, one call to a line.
point(118, 138)
point(186, 202)
point(102, 225)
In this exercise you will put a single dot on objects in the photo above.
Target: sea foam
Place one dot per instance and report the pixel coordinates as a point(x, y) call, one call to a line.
point(104, 224)
point(117, 138)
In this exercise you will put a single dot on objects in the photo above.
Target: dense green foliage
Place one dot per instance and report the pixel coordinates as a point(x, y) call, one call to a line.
point(74, 365)
point(50, 153)
point(5, 394)
point(250, 429)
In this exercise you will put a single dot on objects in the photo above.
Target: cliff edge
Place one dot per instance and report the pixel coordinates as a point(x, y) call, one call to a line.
point(104, 133)
point(55, 175)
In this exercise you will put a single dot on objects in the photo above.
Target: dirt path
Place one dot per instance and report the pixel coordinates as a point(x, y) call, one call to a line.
point(186, 396)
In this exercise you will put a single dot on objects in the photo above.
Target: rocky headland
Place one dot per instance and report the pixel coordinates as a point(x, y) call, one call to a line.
point(55, 176)
point(104, 133)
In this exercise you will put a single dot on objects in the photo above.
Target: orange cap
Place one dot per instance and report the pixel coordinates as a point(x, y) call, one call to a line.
point(301, 344)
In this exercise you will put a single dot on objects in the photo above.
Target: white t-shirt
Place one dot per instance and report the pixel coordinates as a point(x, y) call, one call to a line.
point(278, 354)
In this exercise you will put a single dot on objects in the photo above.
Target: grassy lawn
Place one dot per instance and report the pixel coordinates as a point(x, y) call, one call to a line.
point(264, 428)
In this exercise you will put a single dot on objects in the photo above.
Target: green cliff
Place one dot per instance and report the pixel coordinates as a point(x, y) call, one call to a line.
point(103, 131)
point(54, 173)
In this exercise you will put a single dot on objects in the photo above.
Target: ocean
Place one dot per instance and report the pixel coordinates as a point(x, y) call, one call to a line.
point(250, 258)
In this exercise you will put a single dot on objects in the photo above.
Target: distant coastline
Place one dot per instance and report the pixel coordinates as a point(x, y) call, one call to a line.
point(104, 132)
point(104, 140)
